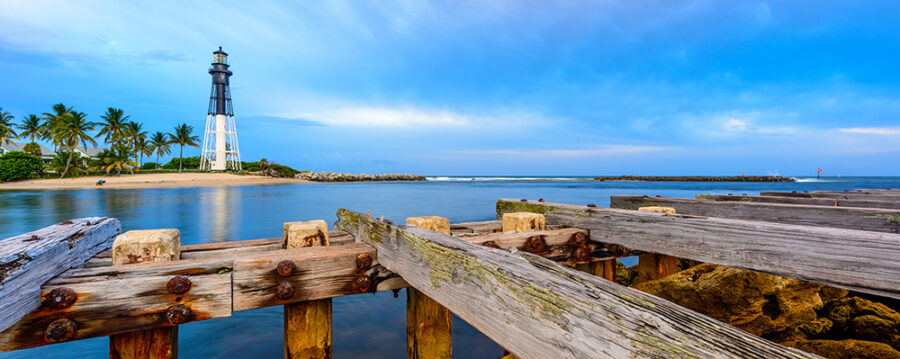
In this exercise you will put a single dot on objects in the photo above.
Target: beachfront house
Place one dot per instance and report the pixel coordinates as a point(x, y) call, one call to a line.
point(46, 153)
point(86, 154)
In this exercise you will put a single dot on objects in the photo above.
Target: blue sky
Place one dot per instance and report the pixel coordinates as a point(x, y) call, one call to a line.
point(487, 87)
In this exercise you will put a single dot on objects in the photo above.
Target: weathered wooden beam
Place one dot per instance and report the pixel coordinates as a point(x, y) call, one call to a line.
point(111, 300)
point(28, 260)
point(558, 245)
point(862, 203)
point(876, 196)
point(475, 227)
point(864, 261)
point(539, 309)
point(867, 219)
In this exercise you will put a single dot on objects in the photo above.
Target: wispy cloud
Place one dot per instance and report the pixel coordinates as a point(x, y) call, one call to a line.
point(413, 117)
point(883, 131)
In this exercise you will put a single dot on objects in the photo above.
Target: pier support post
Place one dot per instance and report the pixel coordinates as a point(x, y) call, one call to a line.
point(138, 247)
point(522, 222)
point(652, 266)
point(605, 269)
point(429, 326)
point(307, 325)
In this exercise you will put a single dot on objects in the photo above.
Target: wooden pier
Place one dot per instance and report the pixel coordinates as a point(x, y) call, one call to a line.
point(532, 280)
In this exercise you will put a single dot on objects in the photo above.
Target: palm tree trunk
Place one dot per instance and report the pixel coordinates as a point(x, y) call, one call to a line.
point(157, 161)
point(180, 157)
point(68, 161)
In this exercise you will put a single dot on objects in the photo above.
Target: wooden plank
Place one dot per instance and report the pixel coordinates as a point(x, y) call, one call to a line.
point(878, 196)
point(539, 309)
point(864, 261)
point(804, 194)
point(867, 219)
point(119, 299)
point(861, 203)
point(475, 227)
point(28, 260)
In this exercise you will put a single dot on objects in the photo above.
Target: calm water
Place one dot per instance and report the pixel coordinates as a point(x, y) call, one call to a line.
point(364, 325)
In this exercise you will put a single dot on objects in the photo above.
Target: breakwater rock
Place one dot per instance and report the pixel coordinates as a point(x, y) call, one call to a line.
point(348, 177)
point(696, 178)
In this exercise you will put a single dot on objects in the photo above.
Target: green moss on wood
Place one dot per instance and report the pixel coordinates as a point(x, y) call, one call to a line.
point(512, 207)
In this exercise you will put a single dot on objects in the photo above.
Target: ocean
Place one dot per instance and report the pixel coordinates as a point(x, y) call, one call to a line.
point(365, 325)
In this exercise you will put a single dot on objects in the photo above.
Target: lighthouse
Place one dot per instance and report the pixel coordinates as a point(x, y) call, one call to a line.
point(220, 144)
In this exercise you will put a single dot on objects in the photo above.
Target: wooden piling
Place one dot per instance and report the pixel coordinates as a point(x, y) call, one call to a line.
point(652, 266)
point(307, 325)
point(133, 247)
point(429, 326)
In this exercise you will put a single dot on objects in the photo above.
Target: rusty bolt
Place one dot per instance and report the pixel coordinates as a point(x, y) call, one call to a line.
point(524, 200)
point(582, 254)
point(540, 199)
point(536, 243)
point(618, 250)
point(179, 314)
point(179, 284)
point(363, 283)
point(396, 292)
point(363, 261)
point(491, 244)
point(580, 239)
point(592, 205)
point(284, 290)
point(62, 297)
point(60, 330)
point(286, 268)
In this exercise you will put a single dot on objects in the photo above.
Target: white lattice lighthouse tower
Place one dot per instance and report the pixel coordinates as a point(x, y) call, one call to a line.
point(220, 144)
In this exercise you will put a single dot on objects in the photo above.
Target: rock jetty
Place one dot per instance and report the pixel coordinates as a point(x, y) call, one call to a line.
point(696, 178)
point(348, 177)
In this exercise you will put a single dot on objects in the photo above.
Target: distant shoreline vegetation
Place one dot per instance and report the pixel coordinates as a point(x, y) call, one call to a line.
point(696, 178)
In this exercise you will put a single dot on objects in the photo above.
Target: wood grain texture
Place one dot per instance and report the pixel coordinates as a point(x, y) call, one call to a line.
point(429, 325)
point(475, 227)
point(146, 246)
point(877, 196)
point(307, 324)
point(539, 309)
point(862, 203)
point(29, 260)
point(653, 266)
point(867, 219)
point(125, 298)
point(857, 260)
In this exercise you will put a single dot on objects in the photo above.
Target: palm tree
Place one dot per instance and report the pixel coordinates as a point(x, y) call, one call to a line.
point(113, 126)
point(71, 130)
point(6, 127)
point(134, 133)
point(142, 147)
point(182, 137)
point(119, 157)
point(159, 143)
point(31, 127)
point(58, 163)
point(51, 119)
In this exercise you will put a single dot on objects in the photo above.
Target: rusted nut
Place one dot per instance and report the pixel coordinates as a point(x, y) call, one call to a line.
point(286, 268)
point(540, 199)
point(179, 284)
point(284, 290)
point(523, 200)
point(363, 284)
point(582, 254)
point(618, 250)
point(536, 243)
point(179, 314)
point(591, 205)
point(363, 261)
point(62, 297)
point(60, 330)
point(580, 238)
point(491, 244)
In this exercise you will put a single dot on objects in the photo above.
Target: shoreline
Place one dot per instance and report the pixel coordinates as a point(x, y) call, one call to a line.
point(153, 180)
point(695, 179)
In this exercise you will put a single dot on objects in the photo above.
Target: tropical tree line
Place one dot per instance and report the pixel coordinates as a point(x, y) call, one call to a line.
point(66, 129)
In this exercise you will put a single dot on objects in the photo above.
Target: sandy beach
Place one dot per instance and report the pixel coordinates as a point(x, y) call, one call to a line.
point(156, 180)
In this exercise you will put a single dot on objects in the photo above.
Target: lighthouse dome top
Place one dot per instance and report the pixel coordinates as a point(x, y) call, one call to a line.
point(220, 57)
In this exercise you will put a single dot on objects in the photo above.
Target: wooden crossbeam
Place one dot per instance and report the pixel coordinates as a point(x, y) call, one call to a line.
point(225, 277)
point(876, 196)
point(864, 261)
point(538, 309)
point(879, 220)
point(27, 261)
point(862, 203)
